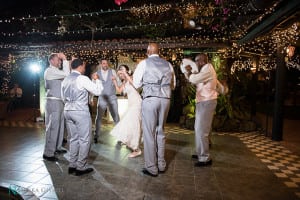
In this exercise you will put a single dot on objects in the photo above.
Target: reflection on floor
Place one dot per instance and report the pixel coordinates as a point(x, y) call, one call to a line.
point(245, 166)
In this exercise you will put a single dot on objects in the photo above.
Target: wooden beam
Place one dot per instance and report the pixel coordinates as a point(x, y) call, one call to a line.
point(276, 18)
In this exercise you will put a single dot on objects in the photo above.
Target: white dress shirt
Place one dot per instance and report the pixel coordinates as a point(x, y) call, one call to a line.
point(53, 73)
point(105, 74)
point(206, 82)
point(206, 73)
point(83, 82)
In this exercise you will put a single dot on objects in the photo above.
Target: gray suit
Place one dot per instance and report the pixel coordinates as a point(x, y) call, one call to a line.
point(156, 83)
point(54, 118)
point(108, 98)
point(78, 121)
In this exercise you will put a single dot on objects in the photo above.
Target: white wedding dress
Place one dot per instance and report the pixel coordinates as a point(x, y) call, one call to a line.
point(128, 129)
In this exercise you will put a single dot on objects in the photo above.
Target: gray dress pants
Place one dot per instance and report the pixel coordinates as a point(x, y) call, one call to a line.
point(79, 126)
point(54, 122)
point(203, 122)
point(154, 114)
point(103, 102)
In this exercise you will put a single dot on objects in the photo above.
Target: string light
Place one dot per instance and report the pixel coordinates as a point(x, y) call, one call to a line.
point(7, 68)
point(206, 13)
point(265, 46)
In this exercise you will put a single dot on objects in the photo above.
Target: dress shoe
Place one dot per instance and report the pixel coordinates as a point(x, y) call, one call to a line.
point(203, 164)
point(146, 172)
point(195, 156)
point(50, 158)
point(60, 151)
point(81, 172)
point(72, 170)
point(160, 171)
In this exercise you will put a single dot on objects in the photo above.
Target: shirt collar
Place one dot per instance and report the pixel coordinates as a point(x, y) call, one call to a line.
point(76, 71)
point(152, 55)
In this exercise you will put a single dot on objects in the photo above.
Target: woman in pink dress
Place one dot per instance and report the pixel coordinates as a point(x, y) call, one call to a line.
point(128, 129)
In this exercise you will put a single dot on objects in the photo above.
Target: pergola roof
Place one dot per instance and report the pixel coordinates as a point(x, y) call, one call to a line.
point(210, 24)
point(225, 20)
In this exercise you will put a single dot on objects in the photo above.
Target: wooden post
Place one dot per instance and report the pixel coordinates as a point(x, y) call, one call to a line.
point(277, 123)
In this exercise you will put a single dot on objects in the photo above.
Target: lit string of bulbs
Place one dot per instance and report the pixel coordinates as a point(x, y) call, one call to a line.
point(194, 42)
point(111, 29)
point(260, 46)
point(7, 68)
point(268, 44)
point(142, 11)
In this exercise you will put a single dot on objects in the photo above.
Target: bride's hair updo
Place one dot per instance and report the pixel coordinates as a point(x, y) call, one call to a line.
point(126, 68)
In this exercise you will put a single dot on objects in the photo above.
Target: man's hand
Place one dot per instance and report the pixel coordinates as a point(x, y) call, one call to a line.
point(73, 58)
point(62, 56)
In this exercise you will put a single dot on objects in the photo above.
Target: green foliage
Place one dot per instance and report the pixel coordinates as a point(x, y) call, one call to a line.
point(224, 107)
point(189, 99)
point(189, 109)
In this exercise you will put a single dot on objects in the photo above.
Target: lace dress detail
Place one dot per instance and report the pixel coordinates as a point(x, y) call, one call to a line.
point(128, 130)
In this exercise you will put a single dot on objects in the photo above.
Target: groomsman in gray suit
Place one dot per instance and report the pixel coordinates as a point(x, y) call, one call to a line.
point(108, 97)
point(54, 118)
point(156, 76)
point(75, 91)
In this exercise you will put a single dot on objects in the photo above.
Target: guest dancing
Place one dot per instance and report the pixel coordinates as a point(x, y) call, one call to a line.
point(107, 99)
point(54, 118)
point(156, 76)
point(75, 93)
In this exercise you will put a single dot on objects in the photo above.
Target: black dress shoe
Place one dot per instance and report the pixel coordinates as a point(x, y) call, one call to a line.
point(61, 151)
point(50, 158)
point(203, 164)
point(146, 172)
point(81, 172)
point(72, 170)
point(195, 156)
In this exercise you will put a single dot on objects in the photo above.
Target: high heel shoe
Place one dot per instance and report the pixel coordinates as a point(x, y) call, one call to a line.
point(135, 153)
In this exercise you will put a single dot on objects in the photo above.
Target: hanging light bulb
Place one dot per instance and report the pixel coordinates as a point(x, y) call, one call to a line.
point(192, 23)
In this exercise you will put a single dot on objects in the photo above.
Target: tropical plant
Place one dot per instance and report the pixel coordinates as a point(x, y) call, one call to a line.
point(189, 100)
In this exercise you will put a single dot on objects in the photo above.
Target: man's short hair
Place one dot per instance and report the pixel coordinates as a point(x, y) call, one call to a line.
point(52, 55)
point(100, 60)
point(76, 63)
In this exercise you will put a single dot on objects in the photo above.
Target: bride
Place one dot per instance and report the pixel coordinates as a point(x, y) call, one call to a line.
point(128, 130)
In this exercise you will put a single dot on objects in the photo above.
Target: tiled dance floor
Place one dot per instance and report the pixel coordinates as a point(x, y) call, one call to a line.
point(245, 166)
